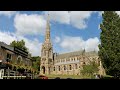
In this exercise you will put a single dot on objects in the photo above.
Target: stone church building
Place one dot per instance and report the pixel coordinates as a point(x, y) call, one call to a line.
point(67, 63)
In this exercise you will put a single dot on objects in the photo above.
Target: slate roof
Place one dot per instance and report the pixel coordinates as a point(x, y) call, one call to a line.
point(76, 53)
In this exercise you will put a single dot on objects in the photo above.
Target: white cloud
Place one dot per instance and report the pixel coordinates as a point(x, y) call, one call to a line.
point(34, 46)
point(29, 24)
point(57, 39)
point(99, 26)
point(7, 37)
point(72, 43)
point(100, 13)
point(77, 19)
point(76, 43)
point(62, 17)
point(35, 24)
point(92, 44)
point(7, 13)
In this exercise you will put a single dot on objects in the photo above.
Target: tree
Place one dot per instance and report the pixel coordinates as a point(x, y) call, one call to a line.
point(20, 45)
point(109, 49)
point(90, 69)
point(36, 63)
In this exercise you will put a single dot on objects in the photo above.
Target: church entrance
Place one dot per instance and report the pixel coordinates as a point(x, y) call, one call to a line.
point(49, 70)
point(43, 69)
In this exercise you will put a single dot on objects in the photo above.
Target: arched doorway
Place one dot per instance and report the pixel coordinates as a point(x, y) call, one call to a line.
point(49, 70)
point(43, 69)
point(19, 60)
point(70, 67)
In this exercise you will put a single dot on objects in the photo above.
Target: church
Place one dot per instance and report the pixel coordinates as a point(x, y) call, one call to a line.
point(67, 63)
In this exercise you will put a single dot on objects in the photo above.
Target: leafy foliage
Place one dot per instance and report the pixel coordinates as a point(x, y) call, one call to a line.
point(36, 63)
point(90, 69)
point(109, 49)
point(20, 45)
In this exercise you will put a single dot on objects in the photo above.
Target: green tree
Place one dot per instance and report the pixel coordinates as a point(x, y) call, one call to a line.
point(19, 44)
point(36, 63)
point(109, 49)
point(90, 69)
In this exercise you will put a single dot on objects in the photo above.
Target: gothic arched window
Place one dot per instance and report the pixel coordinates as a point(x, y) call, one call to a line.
point(83, 63)
point(19, 60)
point(59, 68)
point(64, 67)
point(75, 66)
point(9, 57)
point(70, 67)
point(54, 68)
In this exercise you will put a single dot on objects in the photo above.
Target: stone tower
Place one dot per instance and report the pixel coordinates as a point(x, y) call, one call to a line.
point(46, 52)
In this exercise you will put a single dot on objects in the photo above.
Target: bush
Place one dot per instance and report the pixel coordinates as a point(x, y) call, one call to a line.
point(90, 69)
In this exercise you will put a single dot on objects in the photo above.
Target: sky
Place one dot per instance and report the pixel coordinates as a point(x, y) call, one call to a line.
point(70, 31)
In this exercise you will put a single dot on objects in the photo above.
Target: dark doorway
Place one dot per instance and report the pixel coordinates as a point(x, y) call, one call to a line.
point(43, 69)
point(49, 70)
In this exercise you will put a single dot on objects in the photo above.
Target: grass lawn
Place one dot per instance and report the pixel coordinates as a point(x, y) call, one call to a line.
point(107, 77)
point(68, 76)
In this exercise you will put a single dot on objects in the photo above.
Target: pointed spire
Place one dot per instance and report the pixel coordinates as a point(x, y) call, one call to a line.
point(47, 36)
point(48, 20)
point(83, 52)
point(94, 50)
point(48, 17)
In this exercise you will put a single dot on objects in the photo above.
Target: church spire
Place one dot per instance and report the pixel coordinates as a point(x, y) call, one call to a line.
point(48, 20)
point(47, 36)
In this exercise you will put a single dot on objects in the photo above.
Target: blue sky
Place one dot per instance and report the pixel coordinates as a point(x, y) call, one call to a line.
point(73, 31)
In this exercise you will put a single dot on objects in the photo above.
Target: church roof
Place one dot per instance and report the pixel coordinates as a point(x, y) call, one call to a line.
point(75, 53)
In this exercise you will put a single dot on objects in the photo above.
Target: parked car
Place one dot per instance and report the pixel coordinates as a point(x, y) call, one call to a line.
point(43, 77)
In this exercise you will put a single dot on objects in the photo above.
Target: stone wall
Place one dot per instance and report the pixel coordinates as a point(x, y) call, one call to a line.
point(73, 68)
point(14, 56)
